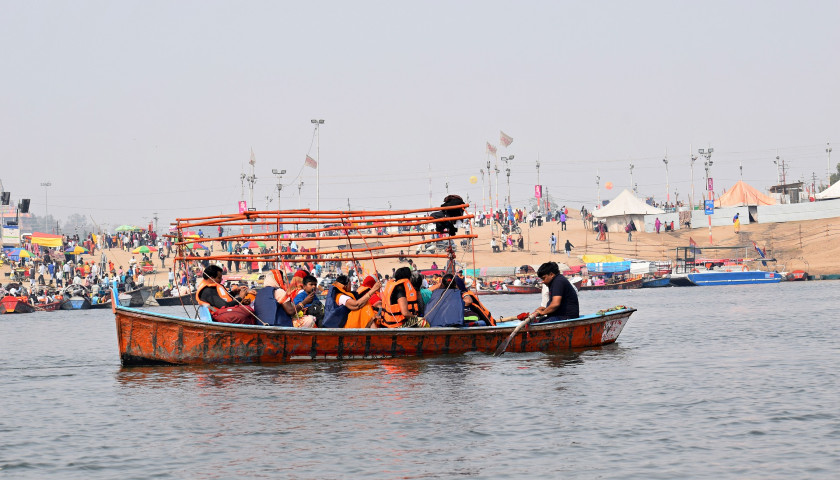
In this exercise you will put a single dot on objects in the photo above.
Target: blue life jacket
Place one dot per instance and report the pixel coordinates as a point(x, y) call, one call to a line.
point(268, 310)
point(445, 309)
point(335, 316)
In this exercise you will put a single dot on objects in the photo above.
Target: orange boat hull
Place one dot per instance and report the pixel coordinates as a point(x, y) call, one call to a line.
point(148, 338)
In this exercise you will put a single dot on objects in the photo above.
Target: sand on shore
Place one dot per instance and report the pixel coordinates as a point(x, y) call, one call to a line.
point(806, 245)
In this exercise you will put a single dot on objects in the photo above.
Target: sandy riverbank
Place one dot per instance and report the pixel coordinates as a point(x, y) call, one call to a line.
point(811, 245)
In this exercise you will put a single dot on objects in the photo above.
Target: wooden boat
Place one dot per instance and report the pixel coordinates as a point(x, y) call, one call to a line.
point(76, 302)
point(48, 307)
point(656, 282)
point(797, 276)
point(139, 296)
point(148, 338)
point(188, 299)
point(625, 285)
point(520, 289)
point(830, 276)
point(17, 305)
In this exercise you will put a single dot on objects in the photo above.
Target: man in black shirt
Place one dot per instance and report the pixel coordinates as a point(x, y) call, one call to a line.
point(563, 300)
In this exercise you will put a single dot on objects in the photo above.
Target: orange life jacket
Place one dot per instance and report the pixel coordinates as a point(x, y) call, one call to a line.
point(361, 317)
point(478, 307)
point(392, 315)
point(204, 283)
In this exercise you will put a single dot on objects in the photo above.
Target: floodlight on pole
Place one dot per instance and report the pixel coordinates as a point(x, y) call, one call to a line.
point(279, 174)
point(667, 181)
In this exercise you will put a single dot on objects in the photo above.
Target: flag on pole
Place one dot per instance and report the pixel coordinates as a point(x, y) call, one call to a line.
point(504, 139)
point(491, 149)
point(691, 242)
point(253, 158)
point(310, 162)
point(760, 252)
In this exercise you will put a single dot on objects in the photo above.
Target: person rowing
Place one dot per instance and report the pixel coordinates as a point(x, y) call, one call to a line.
point(563, 299)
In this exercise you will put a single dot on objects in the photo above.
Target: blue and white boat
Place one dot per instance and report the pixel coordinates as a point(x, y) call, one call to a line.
point(703, 279)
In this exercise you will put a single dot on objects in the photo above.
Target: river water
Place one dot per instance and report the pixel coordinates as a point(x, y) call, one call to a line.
point(704, 382)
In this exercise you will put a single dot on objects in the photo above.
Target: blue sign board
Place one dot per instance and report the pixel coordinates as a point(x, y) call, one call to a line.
point(710, 207)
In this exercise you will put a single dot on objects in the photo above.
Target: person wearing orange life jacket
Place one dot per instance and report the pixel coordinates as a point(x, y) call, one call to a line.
point(367, 314)
point(213, 294)
point(472, 304)
point(401, 301)
point(341, 301)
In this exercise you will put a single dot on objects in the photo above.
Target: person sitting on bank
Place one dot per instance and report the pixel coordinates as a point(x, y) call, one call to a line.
point(563, 299)
point(212, 294)
point(340, 301)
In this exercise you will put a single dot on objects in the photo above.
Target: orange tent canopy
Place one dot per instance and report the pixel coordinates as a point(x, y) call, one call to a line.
point(742, 194)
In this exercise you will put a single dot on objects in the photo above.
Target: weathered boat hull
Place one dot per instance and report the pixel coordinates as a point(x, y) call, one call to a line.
point(656, 282)
point(76, 303)
point(48, 307)
point(524, 289)
point(704, 279)
point(148, 338)
point(16, 305)
point(139, 296)
point(188, 299)
point(614, 286)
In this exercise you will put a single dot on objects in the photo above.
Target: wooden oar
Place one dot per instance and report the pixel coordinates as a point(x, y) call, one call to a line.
point(504, 345)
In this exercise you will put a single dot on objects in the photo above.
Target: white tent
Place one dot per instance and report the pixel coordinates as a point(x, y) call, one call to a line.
point(830, 192)
point(624, 208)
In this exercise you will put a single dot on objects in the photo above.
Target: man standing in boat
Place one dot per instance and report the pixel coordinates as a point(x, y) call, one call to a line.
point(563, 299)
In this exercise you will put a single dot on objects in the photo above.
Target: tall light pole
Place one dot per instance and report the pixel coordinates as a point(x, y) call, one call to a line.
point(489, 186)
point(828, 151)
point(318, 123)
point(598, 186)
point(279, 174)
point(667, 181)
point(539, 200)
point(46, 186)
point(708, 165)
point(496, 167)
point(482, 189)
point(692, 159)
point(507, 161)
point(632, 185)
point(300, 186)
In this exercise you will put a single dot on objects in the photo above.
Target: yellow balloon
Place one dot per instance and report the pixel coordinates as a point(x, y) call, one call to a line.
point(473, 179)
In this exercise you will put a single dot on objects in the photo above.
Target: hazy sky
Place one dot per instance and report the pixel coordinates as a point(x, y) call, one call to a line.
point(131, 108)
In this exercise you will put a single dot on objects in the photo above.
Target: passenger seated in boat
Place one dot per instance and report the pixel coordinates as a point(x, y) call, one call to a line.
point(307, 296)
point(368, 315)
point(446, 307)
point(274, 304)
point(401, 302)
point(214, 295)
point(563, 300)
point(340, 302)
point(472, 305)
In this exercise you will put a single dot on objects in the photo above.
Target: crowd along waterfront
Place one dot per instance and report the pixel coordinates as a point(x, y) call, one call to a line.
point(718, 382)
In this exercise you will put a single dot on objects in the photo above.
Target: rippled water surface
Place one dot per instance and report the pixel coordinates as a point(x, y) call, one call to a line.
point(706, 382)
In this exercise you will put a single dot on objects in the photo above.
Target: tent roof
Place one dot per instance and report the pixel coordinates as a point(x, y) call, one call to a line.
point(830, 192)
point(626, 204)
point(742, 194)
